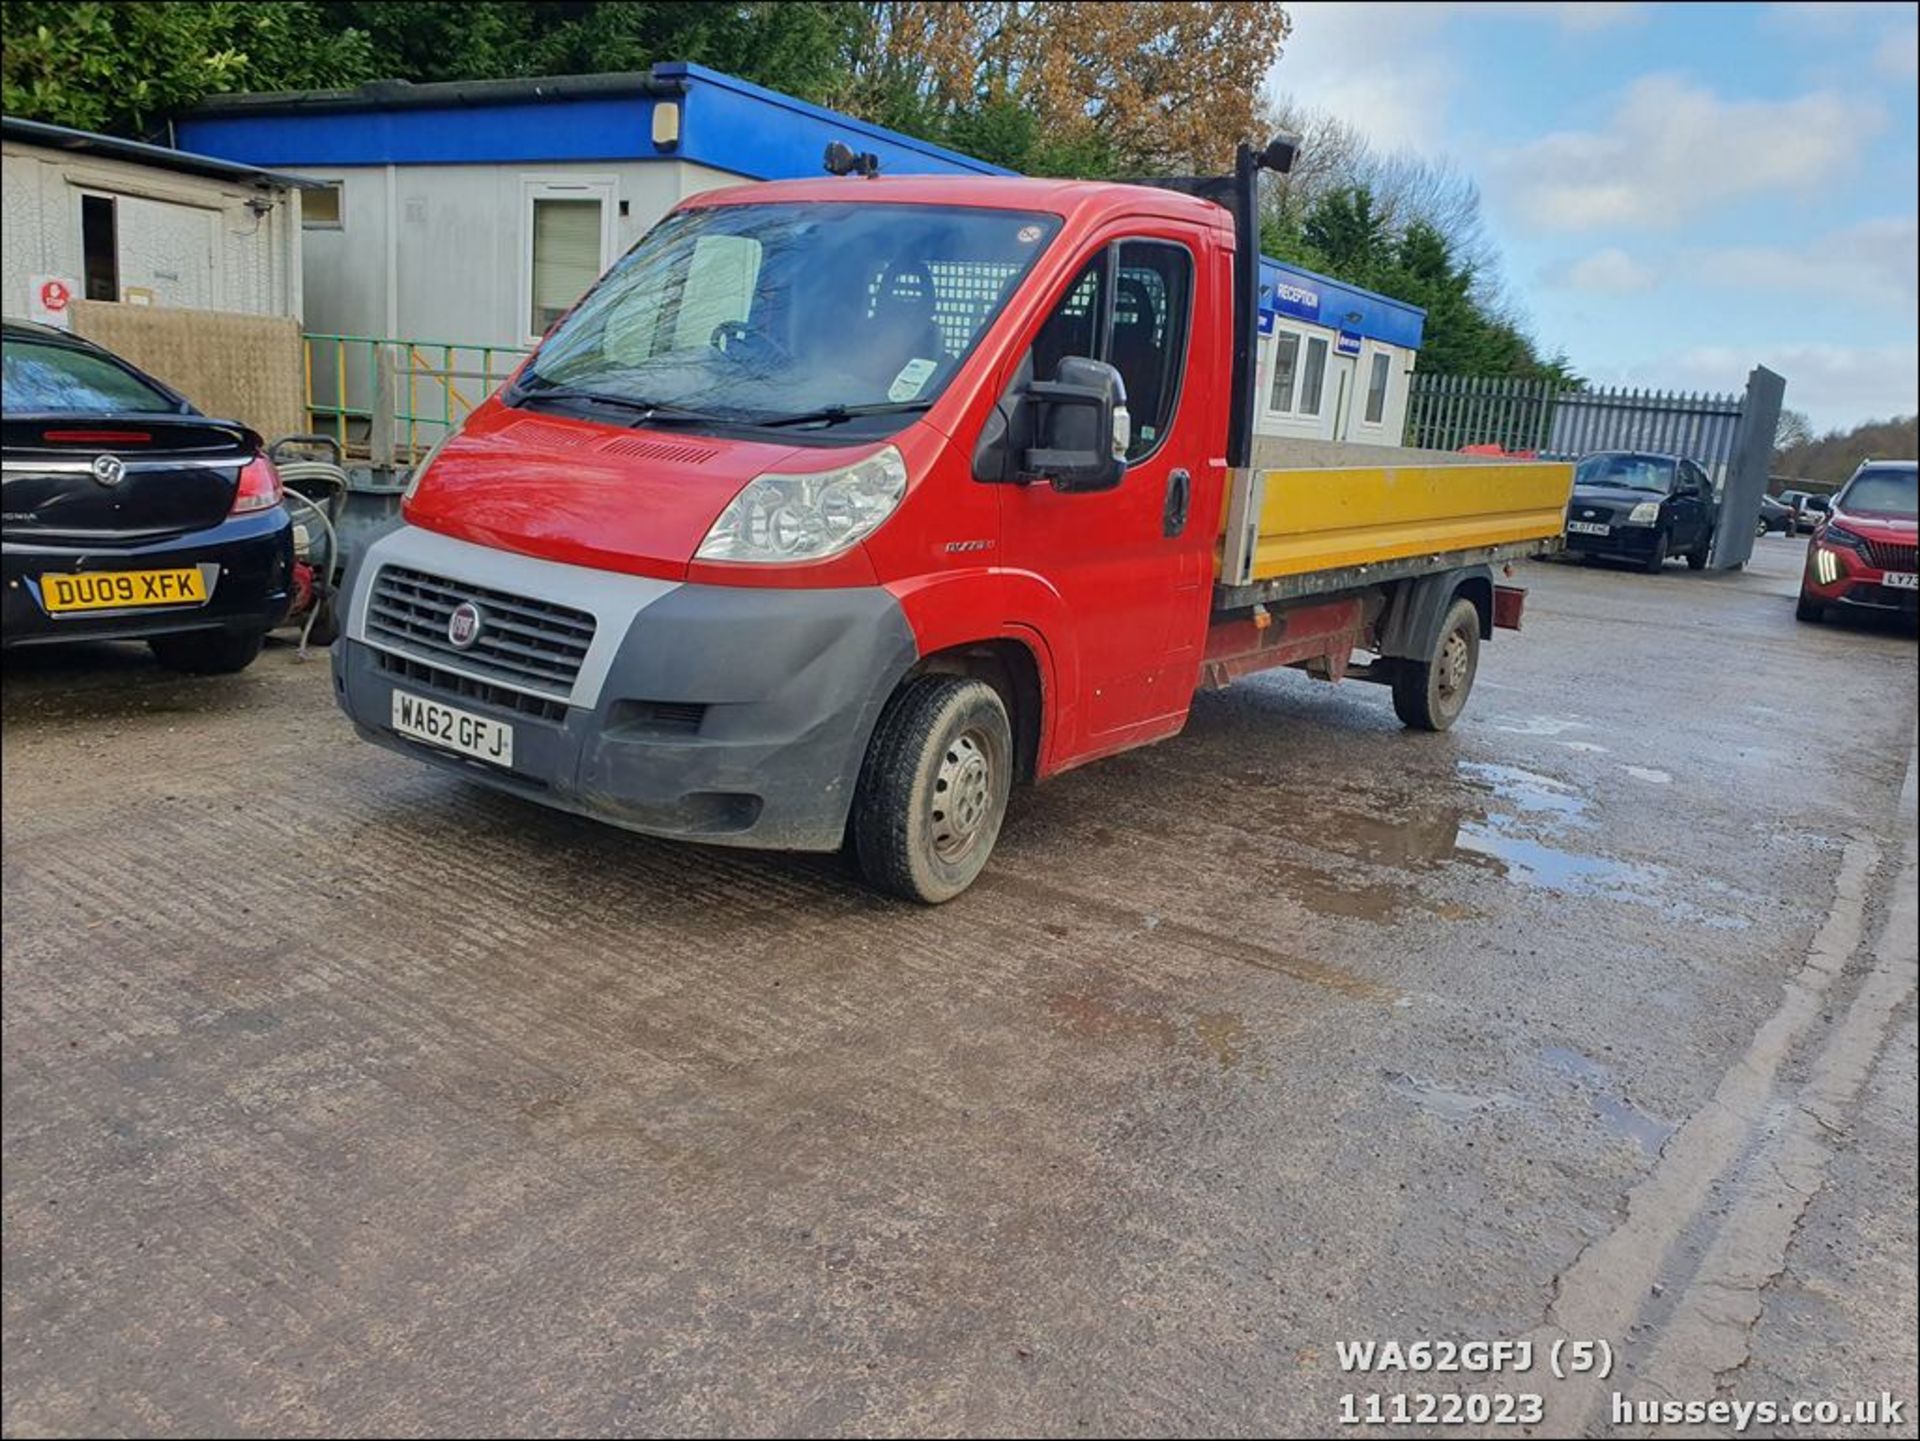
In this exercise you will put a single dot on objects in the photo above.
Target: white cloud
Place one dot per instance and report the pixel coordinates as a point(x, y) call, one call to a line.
point(1674, 150)
point(1876, 262)
point(1898, 54)
point(1611, 272)
point(1837, 385)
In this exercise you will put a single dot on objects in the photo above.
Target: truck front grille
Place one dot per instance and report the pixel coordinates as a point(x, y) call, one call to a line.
point(452, 684)
point(526, 643)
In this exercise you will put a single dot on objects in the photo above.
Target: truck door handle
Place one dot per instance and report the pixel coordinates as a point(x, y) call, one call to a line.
point(1173, 518)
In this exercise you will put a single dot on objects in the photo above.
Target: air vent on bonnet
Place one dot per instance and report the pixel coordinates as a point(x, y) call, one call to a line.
point(642, 448)
point(568, 437)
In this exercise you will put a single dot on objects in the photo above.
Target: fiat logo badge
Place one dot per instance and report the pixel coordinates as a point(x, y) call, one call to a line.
point(463, 626)
point(109, 469)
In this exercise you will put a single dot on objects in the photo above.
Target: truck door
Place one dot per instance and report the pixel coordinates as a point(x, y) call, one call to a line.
point(1130, 563)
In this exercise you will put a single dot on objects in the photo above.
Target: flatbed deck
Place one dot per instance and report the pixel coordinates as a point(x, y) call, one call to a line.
point(1311, 517)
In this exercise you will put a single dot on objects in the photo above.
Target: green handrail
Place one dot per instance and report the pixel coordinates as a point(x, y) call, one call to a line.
point(347, 364)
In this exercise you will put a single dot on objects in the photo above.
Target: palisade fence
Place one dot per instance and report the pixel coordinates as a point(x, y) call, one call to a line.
point(1449, 412)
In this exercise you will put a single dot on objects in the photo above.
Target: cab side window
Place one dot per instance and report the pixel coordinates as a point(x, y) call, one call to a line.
point(1131, 307)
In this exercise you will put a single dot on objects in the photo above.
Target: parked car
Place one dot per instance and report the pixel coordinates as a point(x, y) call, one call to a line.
point(130, 515)
point(1862, 555)
point(1807, 508)
point(1641, 506)
point(1775, 518)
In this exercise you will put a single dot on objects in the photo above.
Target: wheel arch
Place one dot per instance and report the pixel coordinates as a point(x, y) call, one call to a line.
point(1011, 668)
point(1419, 608)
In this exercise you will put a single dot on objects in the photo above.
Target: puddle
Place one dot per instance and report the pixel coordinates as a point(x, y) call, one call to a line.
point(1527, 790)
point(1618, 1115)
point(1445, 1101)
point(1535, 725)
point(1649, 774)
point(1495, 844)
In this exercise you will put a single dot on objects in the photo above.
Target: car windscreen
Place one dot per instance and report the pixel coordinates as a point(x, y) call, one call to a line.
point(59, 379)
point(1650, 473)
point(746, 314)
point(1888, 490)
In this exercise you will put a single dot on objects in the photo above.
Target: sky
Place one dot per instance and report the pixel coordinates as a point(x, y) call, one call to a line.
point(1679, 192)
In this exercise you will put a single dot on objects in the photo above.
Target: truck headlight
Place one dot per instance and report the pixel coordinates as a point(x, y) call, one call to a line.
point(806, 517)
point(1647, 512)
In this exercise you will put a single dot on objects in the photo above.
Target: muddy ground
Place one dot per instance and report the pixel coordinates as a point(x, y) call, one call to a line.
point(341, 1095)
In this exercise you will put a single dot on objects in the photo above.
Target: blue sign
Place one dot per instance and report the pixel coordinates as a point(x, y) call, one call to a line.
point(1292, 297)
point(1348, 343)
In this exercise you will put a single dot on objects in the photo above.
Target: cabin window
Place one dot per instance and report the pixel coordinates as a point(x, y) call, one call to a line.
point(1376, 410)
point(1286, 364)
point(321, 209)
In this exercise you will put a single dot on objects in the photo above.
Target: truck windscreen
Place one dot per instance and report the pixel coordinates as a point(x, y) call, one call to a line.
point(839, 314)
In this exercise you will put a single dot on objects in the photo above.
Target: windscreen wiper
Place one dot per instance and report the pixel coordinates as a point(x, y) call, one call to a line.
point(836, 414)
point(651, 412)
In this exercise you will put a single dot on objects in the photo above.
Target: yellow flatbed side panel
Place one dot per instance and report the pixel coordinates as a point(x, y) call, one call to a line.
point(1328, 519)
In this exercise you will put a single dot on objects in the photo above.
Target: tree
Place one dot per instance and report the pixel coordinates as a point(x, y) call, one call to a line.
point(1793, 431)
point(1832, 457)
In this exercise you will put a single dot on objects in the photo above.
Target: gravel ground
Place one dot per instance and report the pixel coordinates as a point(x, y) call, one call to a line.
point(343, 1096)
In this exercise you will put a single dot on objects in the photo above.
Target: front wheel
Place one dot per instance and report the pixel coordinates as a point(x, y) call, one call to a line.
point(1429, 694)
point(207, 652)
point(1697, 558)
point(1656, 562)
point(933, 789)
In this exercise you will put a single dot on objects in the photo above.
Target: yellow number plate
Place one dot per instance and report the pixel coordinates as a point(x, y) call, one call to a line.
point(122, 589)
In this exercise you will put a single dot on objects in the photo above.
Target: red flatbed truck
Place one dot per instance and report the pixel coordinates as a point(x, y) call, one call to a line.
point(838, 506)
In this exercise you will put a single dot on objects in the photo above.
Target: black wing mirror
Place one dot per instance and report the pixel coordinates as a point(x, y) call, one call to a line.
point(1082, 427)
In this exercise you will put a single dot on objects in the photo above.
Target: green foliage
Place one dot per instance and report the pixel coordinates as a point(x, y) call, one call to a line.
point(124, 68)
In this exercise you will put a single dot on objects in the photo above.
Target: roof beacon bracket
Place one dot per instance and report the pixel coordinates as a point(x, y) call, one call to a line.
point(843, 159)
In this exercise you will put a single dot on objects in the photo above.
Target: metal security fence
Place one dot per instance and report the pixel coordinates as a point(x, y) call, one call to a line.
point(1450, 412)
point(1728, 436)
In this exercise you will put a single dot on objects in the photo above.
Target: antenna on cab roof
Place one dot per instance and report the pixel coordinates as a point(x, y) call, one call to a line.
point(843, 159)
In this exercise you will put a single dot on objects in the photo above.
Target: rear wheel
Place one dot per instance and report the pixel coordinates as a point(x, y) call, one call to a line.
point(1809, 609)
point(933, 790)
point(1429, 695)
point(207, 652)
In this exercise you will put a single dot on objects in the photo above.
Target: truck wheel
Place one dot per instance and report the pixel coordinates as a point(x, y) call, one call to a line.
point(1657, 562)
point(1429, 694)
point(207, 652)
point(933, 789)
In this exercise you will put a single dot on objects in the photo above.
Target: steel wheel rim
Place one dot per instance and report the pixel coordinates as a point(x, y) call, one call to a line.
point(963, 791)
point(1454, 653)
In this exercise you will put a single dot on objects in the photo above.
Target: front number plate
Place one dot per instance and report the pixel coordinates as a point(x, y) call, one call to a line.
point(451, 729)
point(1588, 527)
point(1902, 580)
point(122, 590)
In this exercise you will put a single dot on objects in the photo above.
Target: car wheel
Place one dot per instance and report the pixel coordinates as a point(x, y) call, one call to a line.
point(933, 789)
point(1762, 528)
point(1809, 609)
point(1698, 556)
point(1428, 695)
point(207, 652)
point(1656, 562)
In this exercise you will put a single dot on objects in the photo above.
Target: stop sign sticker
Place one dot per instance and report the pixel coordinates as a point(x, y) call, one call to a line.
point(52, 299)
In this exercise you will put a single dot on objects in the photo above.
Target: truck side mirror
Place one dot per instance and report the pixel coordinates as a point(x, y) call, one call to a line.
point(1082, 427)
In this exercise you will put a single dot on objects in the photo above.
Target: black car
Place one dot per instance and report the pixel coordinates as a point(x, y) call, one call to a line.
point(130, 515)
point(1774, 518)
point(1641, 506)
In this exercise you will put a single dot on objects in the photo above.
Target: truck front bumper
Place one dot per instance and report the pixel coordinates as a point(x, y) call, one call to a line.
point(730, 715)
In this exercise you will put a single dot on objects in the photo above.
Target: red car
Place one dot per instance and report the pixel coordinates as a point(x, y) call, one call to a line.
point(1862, 555)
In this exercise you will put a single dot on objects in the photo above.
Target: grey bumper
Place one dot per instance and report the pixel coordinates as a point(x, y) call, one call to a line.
point(729, 715)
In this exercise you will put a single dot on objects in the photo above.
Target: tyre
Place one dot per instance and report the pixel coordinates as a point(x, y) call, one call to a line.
point(1656, 562)
point(1697, 558)
point(933, 788)
point(1762, 529)
point(207, 652)
point(1809, 610)
point(1429, 695)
